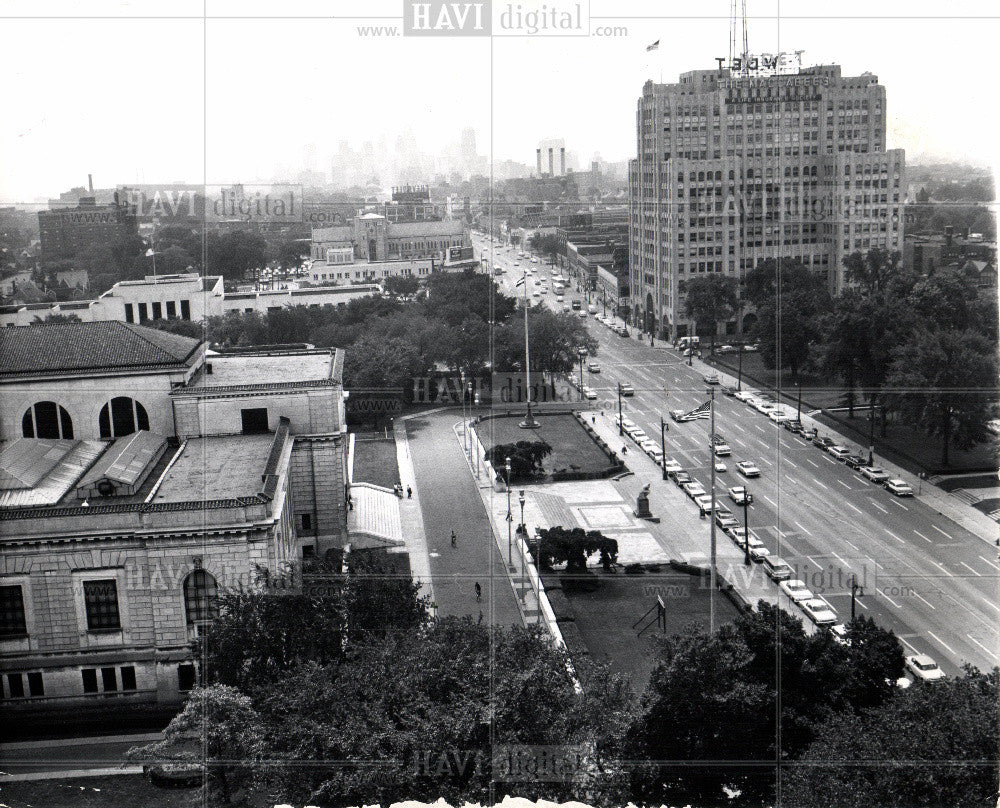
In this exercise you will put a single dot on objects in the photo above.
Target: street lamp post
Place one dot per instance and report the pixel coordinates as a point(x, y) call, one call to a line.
point(746, 527)
point(621, 429)
point(529, 422)
point(663, 447)
point(520, 499)
point(798, 411)
point(465, 433)
point(871, 430)
point(581, 352)
point(857, 591)
point(739, 372)
point(711, 451)
point(510, 518)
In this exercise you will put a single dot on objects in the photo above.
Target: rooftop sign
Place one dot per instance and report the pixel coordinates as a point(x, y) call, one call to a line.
point(765, 64)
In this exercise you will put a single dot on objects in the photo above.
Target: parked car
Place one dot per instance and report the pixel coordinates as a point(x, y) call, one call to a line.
point(875, 474)
point(655, 453)
point(924, 668)
point(739, 495)
point(711, 378)
point(762, 406)
point(724, 517)
point(593, 367)
point(589, 393)
point(625, 423)
point(693, 489)
point(697, 353)
point(672, 467)
point(819, 611)
point(777, 569)
point(637, 434)
point(758, 552)
point(779, 415)
point(856, 461)
point(682, 478)
point(796, 590)
point(744, 395)
point(793, 425)
point(627, 390)
point(900, 488)
point(704, 503)
point(840, 634)
point(823, 442)
point(747, 469)
point(837, 451)
point(648, 445)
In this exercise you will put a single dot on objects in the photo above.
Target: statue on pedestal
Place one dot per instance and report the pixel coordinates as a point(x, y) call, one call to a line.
point(642, 503)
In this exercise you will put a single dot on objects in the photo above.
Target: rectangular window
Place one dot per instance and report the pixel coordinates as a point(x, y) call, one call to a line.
point(185, 677)
point(157, 311)
point(35, 685)
point(306, 521)
point(12, 621)
point(129, 316)
point(185, 309)
point(171, 310)
point(101, 600)
point(89, 680)
point(15, 685)
point(110, 679)
point(128, 678)
point(254, 420)
point(143, 314)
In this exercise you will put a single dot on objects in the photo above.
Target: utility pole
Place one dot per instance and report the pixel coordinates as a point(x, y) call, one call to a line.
point(871, 430)
point(529, 422)
point(857, 591)
point(711, 454)
point(465, 437)
point(621, 428)
point(510, 518)
point(739, 373)
point(798, 411)
point(663, 447)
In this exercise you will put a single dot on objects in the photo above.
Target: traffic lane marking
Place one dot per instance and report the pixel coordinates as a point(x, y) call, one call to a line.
point(987, 650)
point(948, 535)
point(940, 641)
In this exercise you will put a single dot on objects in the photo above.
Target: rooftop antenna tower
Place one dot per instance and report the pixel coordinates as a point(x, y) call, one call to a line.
point(737, 18)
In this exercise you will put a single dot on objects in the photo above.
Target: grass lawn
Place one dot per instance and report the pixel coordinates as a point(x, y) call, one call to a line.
point(604, 617)
point(572, 447)
point(95, 792)
point(903, 445)
point(375, 461)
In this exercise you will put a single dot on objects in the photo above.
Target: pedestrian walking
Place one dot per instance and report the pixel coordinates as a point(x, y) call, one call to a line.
point(409, 492)
point(479, 592)
point(624, 449)
point(454, 539)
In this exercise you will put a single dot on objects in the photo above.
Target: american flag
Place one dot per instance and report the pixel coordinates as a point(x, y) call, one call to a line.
point(520, 282)
point(704, 411)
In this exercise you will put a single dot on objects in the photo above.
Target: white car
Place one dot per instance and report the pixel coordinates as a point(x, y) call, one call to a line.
point(758, 552)
point(724, 517)
point(819, 611)
point(670, 466)
point(693, 489)
point(763, 406)
point(722, 450)
point(900, 488)
point(649, 445)
point(703, 501)
point(924, 668)
point(779, 416)
point(593, 367)
point(874, 473)
point(637, 435)
point(840, 634)
point(711, 378)
point(796, 590)
point(589, 393)
point(744, 395)
point(747, 469)
point(626, 423)
point(838, 451)
point(656, 454)
point(720, 467)
point(739, 495)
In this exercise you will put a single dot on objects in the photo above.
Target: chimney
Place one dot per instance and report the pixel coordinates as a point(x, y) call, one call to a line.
point(90, 182)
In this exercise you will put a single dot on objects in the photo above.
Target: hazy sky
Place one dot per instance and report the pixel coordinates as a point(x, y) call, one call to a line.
point(226, 90)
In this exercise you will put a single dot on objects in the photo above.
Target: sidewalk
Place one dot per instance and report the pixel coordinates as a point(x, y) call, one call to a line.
point(973, 520)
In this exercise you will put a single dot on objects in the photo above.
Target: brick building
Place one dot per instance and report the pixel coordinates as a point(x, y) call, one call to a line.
point(66, 232)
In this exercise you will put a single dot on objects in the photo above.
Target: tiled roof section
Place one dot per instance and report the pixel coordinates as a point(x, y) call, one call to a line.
point(47, 348)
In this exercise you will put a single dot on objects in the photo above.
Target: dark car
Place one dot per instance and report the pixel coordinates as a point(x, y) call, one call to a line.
point(682, 477)
point(793, 425)
point(824, 442)
point(856, 461)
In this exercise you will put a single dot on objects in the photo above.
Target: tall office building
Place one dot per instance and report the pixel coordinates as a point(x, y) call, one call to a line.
point(550, 158)
point(755, 160)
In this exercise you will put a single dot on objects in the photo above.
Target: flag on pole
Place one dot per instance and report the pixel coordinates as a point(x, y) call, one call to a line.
point(519, 283)
point(150, 253)
point(704, 411)
point(653, 47)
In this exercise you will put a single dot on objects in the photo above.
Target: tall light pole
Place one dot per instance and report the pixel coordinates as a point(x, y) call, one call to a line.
point(663, 447)
point(465, 433)
point(581, 352)
point(711, 452)
point(739, 372)
point(510, 518)
point(798, 410)
point(520, 498)
point(857, 591)
point(621, 428)
point(746, 526)
point(871, 429)
point(529, 422)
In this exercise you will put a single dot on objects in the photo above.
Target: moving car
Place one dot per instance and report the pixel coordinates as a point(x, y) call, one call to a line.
point(900, 488)
point(722, 449)
point(777, 568)
point(589, 393)
point(747, 469)
point(739, 495)
point(819, 611)
point(796, 590)
point(875, 474)
point(696, 354)
point(725, 349)
point(593, 367)
point(924, 668)
point(720, 467)
point(837, 451)
point(627, 390)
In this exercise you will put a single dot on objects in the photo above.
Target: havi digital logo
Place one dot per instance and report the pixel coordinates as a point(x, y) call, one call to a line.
point(438, 18)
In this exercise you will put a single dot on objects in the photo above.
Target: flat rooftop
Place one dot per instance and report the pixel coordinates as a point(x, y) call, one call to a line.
point(241, 370)
point(217, 467)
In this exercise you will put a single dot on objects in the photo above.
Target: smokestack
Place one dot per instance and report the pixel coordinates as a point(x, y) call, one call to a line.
point(90, 182)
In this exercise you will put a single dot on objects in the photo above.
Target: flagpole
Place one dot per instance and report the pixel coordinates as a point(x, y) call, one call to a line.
point(528, 422)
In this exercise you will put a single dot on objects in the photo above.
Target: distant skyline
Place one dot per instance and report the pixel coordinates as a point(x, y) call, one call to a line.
point(129, 98)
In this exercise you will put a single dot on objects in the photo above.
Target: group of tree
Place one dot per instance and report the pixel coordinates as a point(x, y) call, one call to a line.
point(336, 688)
point(917, 347)
point(389, 340)
point(572, 547)
point(525, 457)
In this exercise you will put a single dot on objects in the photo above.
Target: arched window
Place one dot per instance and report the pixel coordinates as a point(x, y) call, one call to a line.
point(46, 419)
point(201, 598)
point(122, 416)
